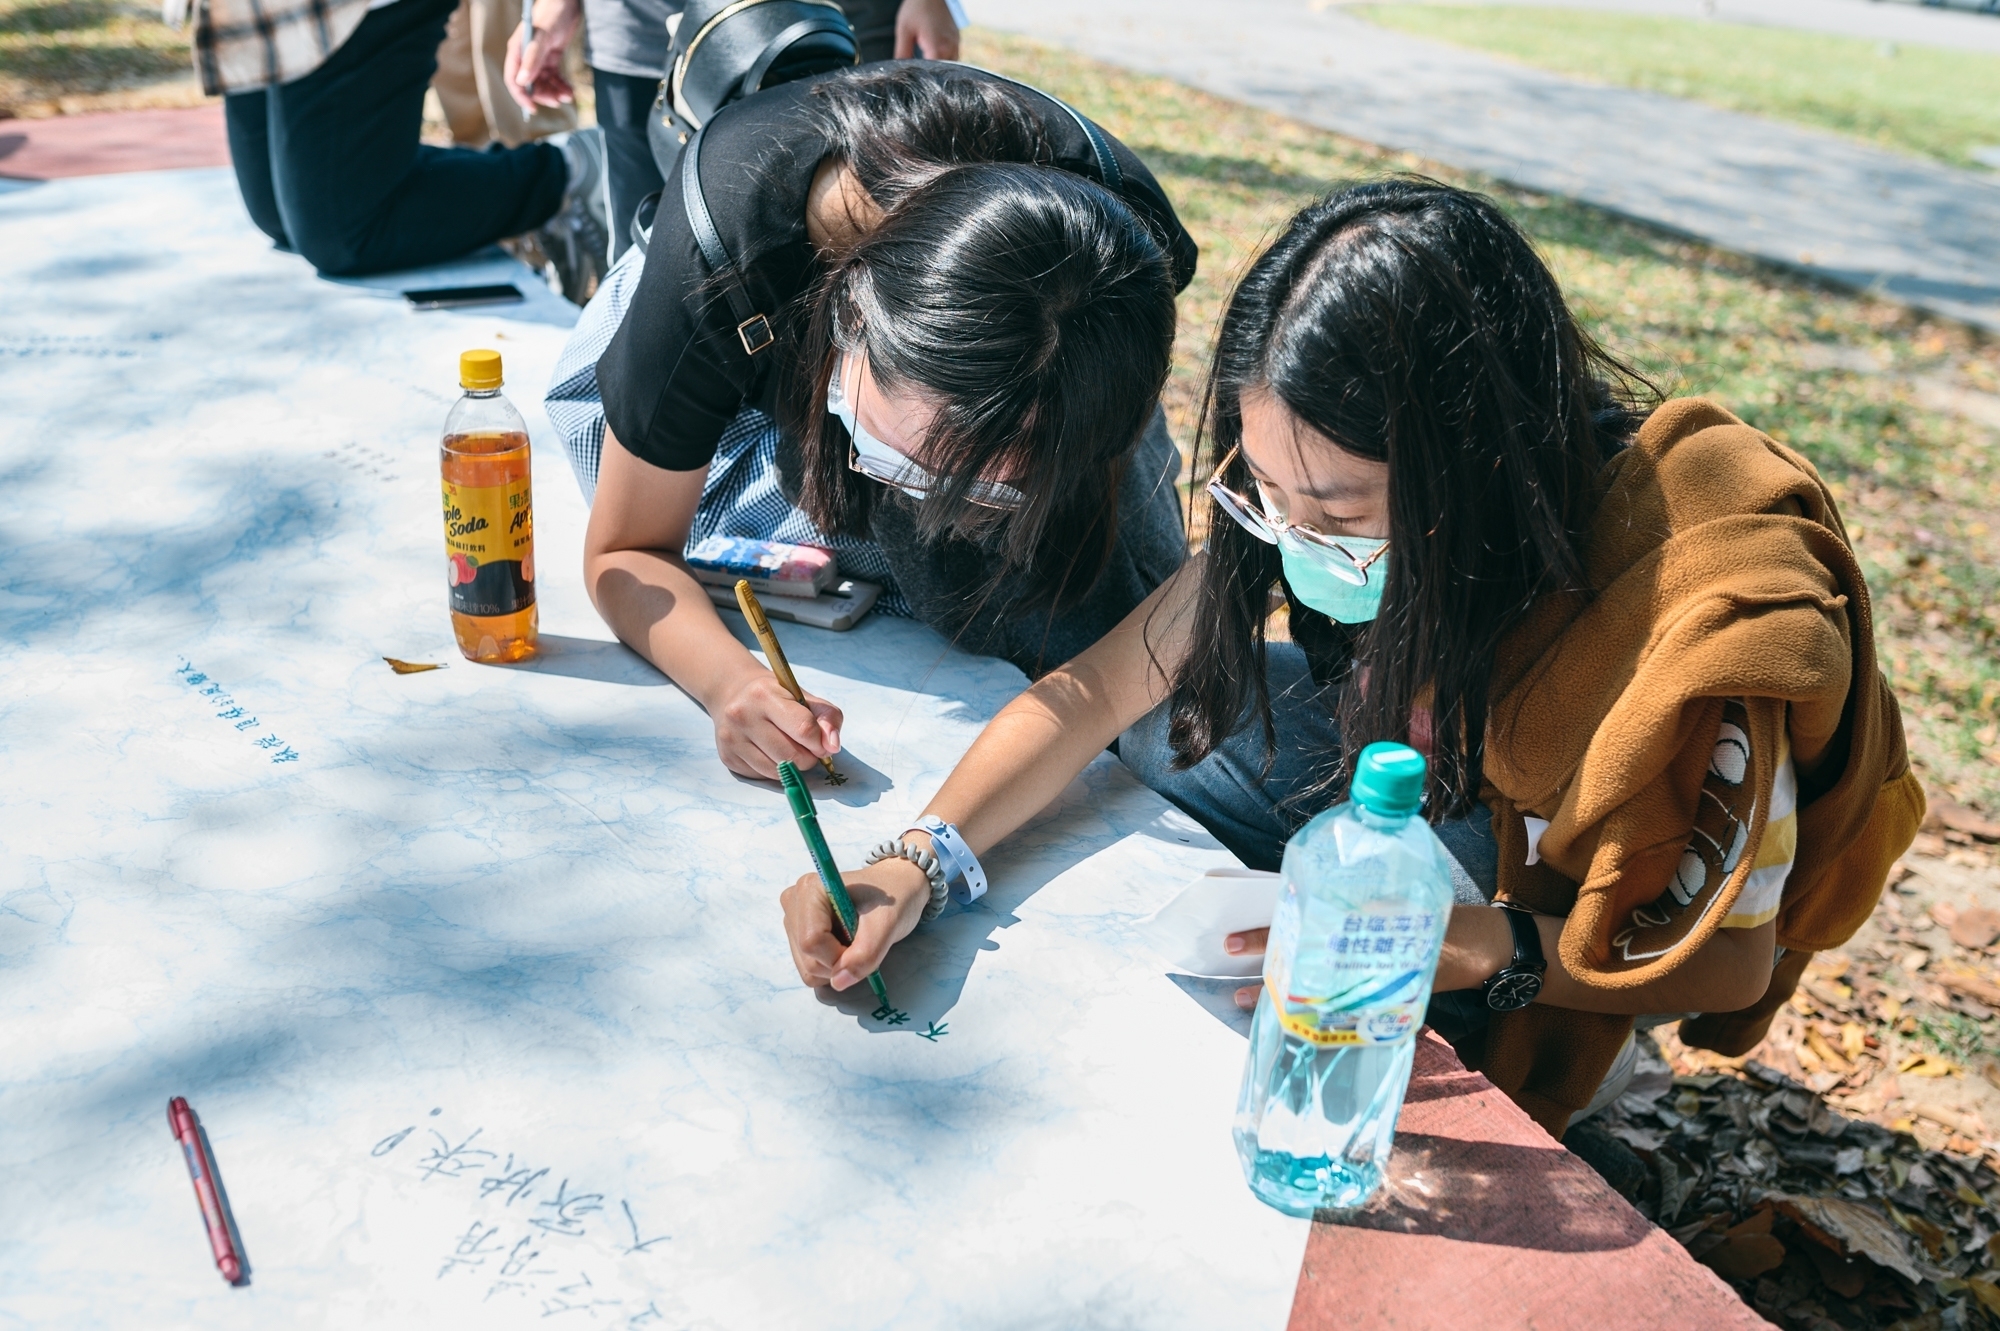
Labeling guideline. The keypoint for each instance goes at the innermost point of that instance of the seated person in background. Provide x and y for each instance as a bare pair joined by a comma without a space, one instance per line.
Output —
956,391
324,103
1636,649
628,58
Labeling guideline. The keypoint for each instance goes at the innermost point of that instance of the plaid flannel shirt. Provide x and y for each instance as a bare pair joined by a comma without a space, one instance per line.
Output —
243,45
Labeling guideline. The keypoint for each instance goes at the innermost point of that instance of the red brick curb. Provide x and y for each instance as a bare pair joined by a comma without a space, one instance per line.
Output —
113,142
1490,1224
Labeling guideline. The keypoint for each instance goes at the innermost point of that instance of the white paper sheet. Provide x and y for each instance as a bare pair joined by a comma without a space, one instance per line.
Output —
481,992
1187,933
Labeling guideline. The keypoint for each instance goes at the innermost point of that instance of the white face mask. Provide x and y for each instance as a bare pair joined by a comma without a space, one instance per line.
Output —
879,462
873,458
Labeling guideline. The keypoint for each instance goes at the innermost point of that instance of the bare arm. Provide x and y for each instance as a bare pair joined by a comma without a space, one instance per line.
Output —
1017,766
645,591
1726,974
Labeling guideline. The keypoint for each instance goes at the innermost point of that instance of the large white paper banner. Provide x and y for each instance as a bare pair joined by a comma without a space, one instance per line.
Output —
476,977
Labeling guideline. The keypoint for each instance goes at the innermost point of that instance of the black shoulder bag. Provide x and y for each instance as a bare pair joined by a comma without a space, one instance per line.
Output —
753,327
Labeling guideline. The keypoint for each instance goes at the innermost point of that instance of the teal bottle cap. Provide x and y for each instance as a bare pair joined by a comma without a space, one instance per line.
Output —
1389,780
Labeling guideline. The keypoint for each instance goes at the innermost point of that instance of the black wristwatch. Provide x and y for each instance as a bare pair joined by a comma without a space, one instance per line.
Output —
1515,985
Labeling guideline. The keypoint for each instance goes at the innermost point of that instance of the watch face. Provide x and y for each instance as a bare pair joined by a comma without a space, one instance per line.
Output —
1512,990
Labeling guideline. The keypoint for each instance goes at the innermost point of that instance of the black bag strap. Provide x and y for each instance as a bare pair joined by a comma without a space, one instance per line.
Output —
1108,172
642,220
753,80
753,329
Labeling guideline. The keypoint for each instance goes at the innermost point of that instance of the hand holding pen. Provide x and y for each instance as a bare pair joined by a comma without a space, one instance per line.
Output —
840,926
781,669
532,70
846,918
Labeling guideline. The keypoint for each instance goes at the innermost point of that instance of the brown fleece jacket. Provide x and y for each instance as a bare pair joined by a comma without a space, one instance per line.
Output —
1721,577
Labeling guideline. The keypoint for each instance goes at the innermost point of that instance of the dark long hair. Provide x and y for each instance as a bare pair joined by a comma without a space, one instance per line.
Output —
1409,323
1033,306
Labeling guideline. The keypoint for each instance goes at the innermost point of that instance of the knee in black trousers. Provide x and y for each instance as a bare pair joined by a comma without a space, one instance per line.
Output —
330,164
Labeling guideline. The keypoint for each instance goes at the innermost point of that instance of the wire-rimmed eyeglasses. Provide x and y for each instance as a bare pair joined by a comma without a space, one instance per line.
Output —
1263,520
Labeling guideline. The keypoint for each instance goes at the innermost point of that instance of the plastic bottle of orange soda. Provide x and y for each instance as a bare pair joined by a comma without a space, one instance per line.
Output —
489,517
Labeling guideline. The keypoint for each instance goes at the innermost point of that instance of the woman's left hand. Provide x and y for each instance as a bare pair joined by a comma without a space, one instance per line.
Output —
1477,943
1248,943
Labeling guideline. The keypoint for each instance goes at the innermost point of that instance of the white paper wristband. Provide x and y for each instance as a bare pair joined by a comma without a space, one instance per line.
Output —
961,866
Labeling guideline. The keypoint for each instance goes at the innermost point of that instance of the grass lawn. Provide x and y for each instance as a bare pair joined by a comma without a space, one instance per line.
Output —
73,55
1918,99
1852,382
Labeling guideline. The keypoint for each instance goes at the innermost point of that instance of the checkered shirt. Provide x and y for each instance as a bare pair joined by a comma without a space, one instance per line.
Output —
243,45
740,497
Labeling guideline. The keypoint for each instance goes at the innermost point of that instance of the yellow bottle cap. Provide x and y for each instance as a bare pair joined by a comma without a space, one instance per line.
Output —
479,369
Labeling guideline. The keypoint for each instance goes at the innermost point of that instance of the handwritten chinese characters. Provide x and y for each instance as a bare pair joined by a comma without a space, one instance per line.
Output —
228,709
368,461
535,1235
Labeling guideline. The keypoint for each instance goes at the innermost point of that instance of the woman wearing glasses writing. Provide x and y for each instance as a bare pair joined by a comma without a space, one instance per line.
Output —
1635,646
963,299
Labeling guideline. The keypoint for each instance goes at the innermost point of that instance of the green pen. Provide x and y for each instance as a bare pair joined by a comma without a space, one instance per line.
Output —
829,876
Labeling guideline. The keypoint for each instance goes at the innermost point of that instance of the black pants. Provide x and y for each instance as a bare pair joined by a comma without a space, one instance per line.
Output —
625,100
330,165
623,103
874,27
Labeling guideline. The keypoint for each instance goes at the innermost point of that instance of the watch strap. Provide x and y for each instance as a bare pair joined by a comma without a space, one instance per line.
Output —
1519,982
1527,938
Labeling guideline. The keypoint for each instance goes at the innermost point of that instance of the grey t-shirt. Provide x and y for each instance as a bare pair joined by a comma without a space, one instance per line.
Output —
630,36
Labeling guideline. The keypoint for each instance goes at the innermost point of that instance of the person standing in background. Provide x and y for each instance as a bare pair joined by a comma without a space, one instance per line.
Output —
471,81
628,58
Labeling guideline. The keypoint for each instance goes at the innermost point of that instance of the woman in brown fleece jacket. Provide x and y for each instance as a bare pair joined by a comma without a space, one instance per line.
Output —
1636,647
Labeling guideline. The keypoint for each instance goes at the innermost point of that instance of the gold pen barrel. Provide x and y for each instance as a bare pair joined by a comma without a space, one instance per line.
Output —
760,624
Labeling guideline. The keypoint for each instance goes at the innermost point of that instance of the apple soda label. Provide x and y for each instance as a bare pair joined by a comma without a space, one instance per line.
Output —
489,538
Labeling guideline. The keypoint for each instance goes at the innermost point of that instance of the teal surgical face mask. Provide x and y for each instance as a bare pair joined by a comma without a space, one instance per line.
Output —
1334,594
1339,576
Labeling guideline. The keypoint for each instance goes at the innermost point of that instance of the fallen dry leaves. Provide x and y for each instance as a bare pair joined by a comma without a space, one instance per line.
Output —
1809,1174
1819,1219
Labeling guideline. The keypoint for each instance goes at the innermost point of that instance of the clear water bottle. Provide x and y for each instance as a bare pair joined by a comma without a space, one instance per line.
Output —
1353,949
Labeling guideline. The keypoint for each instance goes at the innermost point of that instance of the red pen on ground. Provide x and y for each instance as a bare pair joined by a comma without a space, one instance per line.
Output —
201,1168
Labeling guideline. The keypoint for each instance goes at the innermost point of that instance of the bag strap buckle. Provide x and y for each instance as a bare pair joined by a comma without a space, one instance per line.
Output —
753,330
755,334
